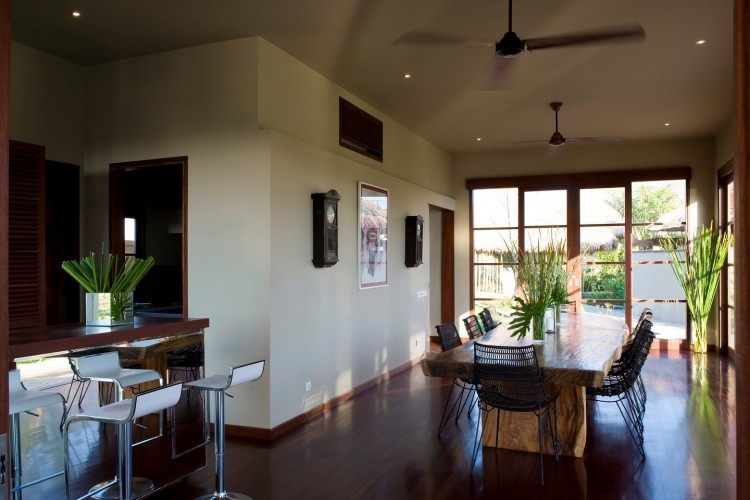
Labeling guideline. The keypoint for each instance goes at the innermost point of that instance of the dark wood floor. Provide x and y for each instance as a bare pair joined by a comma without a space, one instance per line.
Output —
383,445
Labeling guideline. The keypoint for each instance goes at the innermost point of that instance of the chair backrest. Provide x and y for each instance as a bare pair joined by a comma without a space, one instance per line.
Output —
448,336
645,314
508,377
245,373
488,323
472,326
635,358
91,366
155,400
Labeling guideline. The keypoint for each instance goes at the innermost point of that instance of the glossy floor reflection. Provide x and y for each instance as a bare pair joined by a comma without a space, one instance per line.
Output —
383,445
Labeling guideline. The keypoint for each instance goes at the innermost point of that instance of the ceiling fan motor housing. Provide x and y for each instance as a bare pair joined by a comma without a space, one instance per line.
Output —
557,139
509,45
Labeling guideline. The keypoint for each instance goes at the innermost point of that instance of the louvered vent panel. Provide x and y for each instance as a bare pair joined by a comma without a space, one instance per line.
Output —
26,282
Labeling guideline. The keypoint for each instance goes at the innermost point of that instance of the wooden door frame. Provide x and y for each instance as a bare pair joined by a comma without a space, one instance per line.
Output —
116,214
4,154
447,268
742,237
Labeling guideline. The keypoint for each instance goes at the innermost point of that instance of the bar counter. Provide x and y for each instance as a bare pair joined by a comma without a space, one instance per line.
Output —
39,341
146,343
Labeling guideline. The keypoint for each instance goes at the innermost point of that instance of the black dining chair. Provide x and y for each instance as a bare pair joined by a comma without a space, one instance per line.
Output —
509,378
621,385
471,323
449,339
488,322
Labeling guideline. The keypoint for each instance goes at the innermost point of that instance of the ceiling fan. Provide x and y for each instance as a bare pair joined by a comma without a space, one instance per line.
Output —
511,45
557,139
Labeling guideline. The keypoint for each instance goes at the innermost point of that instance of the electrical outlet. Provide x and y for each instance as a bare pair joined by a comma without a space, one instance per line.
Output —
419,342
308,386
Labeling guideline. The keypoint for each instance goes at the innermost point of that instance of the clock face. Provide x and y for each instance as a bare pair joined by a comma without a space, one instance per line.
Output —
331,214
419,230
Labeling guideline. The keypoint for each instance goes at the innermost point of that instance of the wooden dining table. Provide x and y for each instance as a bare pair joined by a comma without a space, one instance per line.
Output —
577,356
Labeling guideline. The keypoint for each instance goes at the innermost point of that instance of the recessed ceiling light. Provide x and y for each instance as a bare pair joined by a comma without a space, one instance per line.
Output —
407,75
76,13
479,139
700,42
667,124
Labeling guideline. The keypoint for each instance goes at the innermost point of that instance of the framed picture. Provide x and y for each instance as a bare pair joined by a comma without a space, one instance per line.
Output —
373,236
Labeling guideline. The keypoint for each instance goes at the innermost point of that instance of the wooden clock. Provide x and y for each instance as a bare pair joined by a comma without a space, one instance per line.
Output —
325,228
413,238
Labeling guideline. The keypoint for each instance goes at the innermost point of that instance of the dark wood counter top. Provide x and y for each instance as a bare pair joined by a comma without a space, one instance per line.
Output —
38,341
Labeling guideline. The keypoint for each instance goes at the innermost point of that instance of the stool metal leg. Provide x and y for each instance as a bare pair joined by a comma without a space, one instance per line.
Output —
220,492
125,485
15,446
16,476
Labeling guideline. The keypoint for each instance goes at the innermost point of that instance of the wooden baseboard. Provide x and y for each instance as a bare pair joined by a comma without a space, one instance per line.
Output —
300,420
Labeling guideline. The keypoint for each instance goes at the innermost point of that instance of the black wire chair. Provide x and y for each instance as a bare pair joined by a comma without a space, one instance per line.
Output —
488,322
509,379
621,384
185,364
450,339
471,324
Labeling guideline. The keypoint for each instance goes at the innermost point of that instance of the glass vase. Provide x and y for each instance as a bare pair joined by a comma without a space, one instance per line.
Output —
537,327
109,309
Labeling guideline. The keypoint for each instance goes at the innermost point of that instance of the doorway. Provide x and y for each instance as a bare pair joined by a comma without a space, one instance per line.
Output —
148,217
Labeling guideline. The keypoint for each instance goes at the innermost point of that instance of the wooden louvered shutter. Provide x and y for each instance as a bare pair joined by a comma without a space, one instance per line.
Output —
26,279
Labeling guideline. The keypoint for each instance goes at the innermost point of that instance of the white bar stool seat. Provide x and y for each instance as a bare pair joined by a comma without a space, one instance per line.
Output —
22,400
218,384
106,367
122,413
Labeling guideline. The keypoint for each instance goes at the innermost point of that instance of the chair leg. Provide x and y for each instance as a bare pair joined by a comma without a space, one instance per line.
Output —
445,417
477,440
541,446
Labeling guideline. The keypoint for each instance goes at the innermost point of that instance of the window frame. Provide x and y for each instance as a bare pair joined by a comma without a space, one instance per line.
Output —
573,183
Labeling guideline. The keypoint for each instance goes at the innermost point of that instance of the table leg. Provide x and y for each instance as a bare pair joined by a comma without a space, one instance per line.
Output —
518,431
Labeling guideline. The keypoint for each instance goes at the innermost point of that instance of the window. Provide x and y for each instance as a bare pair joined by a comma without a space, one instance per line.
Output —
612,224
726,288
130,238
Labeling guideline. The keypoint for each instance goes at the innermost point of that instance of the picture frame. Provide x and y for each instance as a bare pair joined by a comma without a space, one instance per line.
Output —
373,235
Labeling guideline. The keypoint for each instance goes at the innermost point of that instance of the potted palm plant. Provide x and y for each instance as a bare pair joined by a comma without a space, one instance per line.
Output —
697,269
109,286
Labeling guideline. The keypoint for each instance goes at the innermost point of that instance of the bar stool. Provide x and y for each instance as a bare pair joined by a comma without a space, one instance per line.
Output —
22,400
219,384
106,367
122,413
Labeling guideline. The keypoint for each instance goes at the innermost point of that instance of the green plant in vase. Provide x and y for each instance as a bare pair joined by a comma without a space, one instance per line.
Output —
698,274
109,286
536,276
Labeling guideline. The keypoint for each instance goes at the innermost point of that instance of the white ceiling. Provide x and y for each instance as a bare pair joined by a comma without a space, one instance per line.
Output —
629,90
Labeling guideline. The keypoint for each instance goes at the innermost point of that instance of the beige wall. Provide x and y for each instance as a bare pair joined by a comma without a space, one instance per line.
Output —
699,154
46,93
725,145
299,102
324,329
260,131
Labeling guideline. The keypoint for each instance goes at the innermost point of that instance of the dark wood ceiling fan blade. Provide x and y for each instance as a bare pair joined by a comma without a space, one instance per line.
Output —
611,138
627,33
498,75
419,37
511,144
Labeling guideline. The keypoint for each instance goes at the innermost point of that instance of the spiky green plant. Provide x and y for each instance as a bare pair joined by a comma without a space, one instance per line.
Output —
102,274
538,275
698,274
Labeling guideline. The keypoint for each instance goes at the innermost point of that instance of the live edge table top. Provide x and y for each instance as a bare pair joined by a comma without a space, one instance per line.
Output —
579,354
